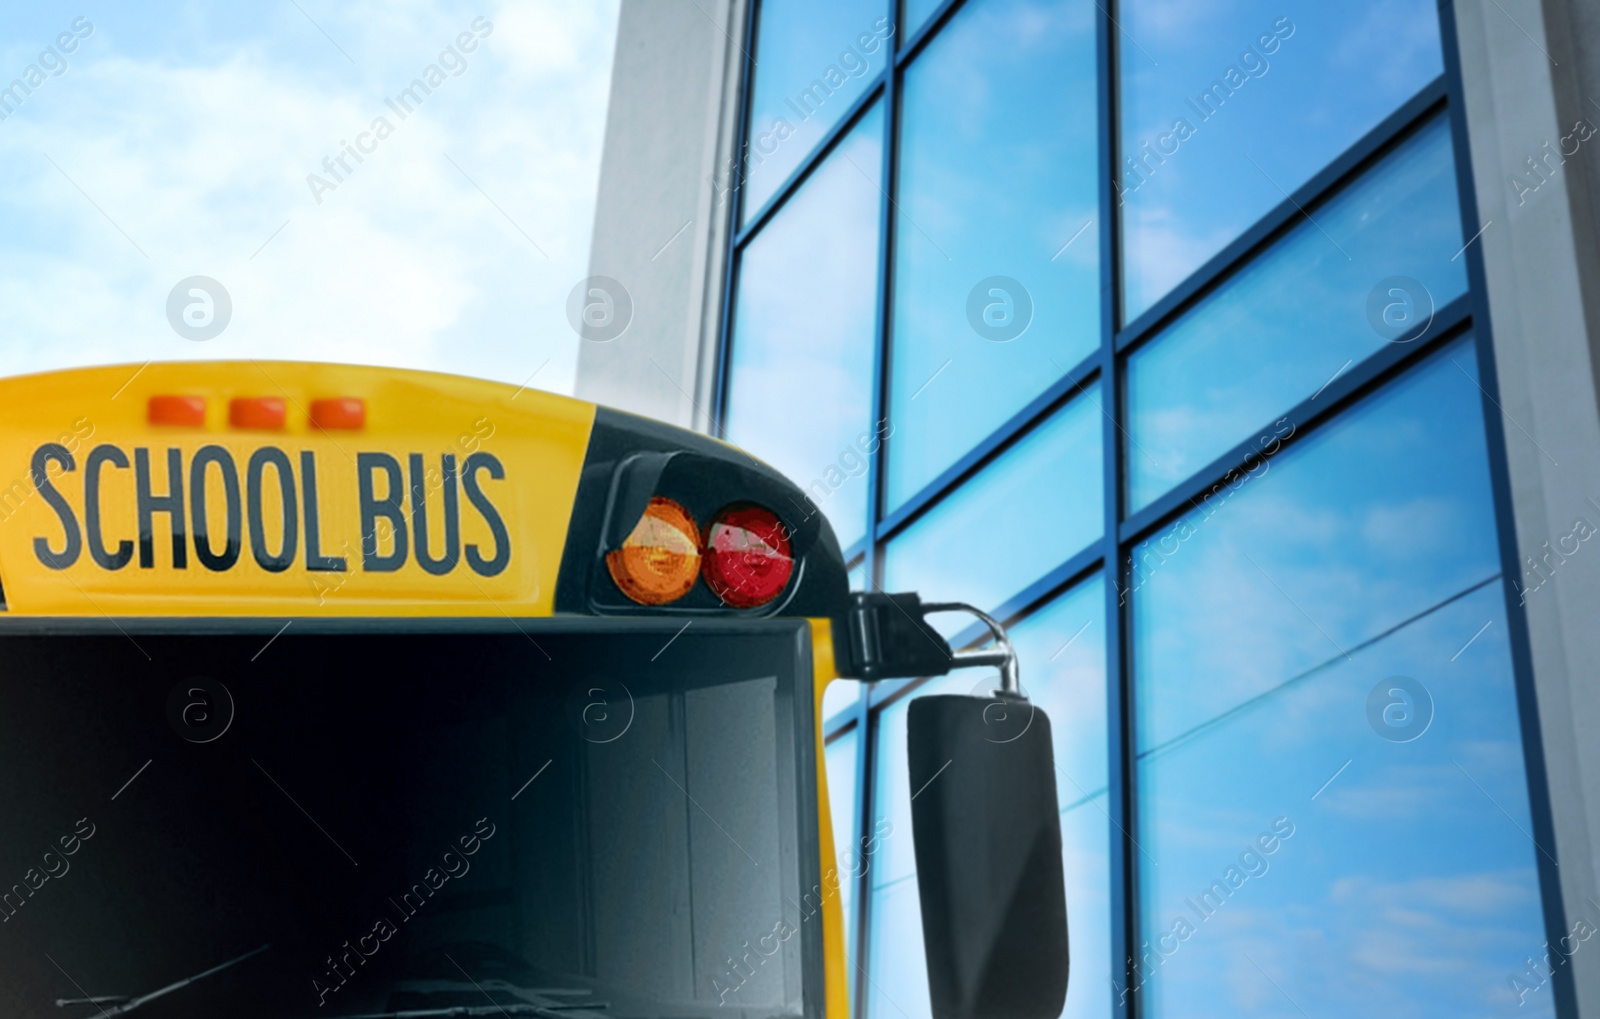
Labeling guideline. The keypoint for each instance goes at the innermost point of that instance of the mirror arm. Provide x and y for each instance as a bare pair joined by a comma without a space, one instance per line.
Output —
1002,655
887,636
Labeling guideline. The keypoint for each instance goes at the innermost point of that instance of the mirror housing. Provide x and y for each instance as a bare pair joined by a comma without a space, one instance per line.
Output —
986,826
887,636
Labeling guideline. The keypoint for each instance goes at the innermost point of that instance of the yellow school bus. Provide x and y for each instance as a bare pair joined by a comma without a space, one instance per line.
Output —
335,690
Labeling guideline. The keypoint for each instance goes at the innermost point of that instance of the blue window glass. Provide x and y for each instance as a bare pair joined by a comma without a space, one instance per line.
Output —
895,860
996,263
858,576
840,757
1029,511
914,13
840,696
1062,652
898,967
814,58
1333,807
895,960
1300,314
804,323
1230,105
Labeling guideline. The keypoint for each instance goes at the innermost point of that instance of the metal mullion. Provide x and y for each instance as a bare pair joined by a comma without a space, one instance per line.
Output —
816,157
1119,688
859,920
730,268
1332,179
898,57
1070,386
1306,416
1031,599
895,692
838,724
889,167
930,28
867,758
1540,808
885,692
1057,581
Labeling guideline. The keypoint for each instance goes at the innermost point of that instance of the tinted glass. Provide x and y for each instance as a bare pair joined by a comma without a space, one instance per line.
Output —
1377,259
813,59
407,821
839,698
1027,512
1377,517
1333,801
915,12
996,249
1230,105
800,371
1062,653
891,796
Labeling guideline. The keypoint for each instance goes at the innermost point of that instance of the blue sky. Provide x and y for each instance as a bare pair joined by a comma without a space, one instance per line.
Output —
178,141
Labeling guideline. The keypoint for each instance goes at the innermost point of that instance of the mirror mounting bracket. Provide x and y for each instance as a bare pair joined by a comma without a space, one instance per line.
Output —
887,636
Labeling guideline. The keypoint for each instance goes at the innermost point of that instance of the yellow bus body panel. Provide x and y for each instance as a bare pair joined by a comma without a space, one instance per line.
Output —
835,975
540,439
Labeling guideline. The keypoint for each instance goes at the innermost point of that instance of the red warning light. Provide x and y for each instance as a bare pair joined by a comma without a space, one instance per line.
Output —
748,560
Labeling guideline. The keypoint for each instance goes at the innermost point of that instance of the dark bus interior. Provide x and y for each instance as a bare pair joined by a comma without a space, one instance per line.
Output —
568,818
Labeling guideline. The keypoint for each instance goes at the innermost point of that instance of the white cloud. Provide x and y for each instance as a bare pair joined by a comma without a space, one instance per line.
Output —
200,160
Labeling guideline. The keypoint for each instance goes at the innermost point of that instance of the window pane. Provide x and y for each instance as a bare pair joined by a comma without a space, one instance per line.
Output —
1333,805
1026,513
1063,662
895,860
800,389
1277,332
1228,105
841,764
916,12
858,576
1062,651
996,255
1378,516
898,967
813,59
841,695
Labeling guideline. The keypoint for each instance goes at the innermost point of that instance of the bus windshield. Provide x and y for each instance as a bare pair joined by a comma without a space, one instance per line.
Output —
576,818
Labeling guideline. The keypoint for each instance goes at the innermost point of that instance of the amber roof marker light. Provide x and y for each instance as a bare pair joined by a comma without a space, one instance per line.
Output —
257,413
660,560
348,413
183,411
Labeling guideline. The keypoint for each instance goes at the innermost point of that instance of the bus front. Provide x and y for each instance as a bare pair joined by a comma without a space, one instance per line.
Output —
338,691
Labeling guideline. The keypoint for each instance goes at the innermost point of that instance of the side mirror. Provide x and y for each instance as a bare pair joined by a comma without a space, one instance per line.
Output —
987,833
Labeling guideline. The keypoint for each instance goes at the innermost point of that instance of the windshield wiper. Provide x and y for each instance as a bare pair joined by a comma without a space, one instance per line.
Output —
126,1004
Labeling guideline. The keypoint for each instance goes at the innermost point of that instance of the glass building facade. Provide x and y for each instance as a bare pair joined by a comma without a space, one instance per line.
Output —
1152,329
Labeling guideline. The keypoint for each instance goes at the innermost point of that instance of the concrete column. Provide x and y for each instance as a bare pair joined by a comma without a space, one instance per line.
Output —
1529,68
661,215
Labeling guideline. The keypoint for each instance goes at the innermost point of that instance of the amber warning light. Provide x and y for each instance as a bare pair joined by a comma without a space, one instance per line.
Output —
659,561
